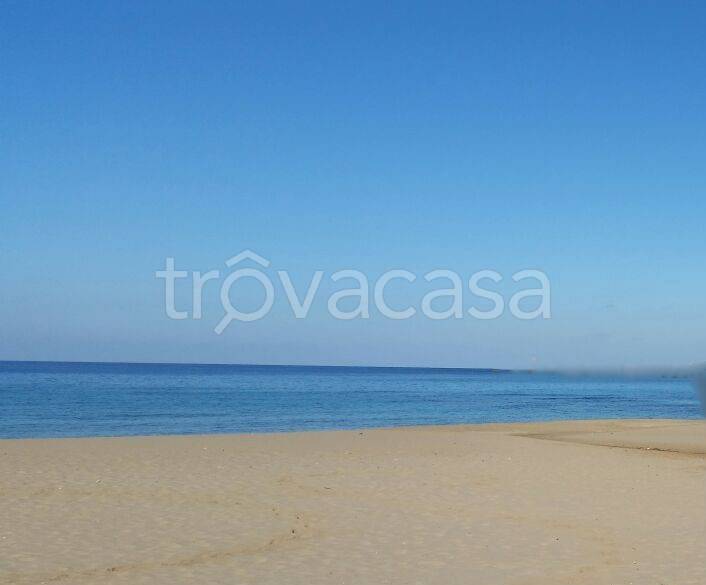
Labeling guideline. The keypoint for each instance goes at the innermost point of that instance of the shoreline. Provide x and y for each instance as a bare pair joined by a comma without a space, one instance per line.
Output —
595,425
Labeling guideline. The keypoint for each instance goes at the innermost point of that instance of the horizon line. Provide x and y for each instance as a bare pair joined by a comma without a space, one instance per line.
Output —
625,370
259,365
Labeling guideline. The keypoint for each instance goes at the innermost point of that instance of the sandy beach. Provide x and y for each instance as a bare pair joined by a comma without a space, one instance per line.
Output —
585,502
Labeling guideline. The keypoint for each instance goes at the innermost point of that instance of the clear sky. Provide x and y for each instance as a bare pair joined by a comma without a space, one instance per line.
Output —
566,136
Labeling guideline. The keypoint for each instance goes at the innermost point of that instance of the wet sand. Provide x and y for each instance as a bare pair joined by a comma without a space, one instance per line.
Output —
579,502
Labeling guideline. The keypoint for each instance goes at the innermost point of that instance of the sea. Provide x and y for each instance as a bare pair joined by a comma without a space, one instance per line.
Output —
61,399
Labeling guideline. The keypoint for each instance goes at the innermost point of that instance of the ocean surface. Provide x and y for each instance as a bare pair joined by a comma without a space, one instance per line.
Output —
48,399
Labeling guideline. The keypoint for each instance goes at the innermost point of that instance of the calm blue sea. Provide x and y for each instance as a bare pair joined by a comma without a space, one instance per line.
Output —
40,399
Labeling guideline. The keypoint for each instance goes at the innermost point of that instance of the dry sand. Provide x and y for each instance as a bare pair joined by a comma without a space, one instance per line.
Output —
558,503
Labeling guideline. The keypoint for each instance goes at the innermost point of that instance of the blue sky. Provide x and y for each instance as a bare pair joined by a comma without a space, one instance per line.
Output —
568,137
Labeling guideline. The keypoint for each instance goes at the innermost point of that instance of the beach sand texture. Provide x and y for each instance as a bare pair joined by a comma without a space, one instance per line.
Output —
583,502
